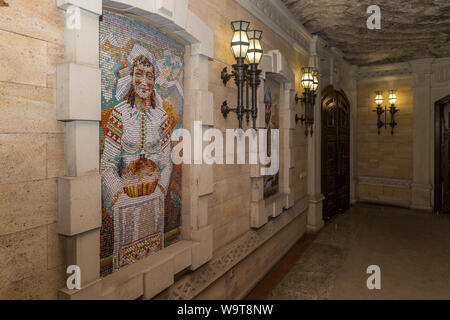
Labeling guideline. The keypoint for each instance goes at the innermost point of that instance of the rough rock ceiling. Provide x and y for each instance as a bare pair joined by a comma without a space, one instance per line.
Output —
410,29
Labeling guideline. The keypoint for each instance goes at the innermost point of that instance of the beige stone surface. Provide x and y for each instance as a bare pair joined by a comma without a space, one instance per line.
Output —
37,19
22,255
82,251
203,252
23,157
27,109
82,44
78,92
55,155
27,205
82,148
93,6
157,279
128,282
385,155
55,247
239,280
229,205
42,285
79,204
385,194
23,59
55,56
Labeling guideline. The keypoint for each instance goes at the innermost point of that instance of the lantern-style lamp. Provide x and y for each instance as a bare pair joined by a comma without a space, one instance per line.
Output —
393,97
308,78
244,44
255,52
310,83
254,56
240,43
379,98
393,109
315,82
379,110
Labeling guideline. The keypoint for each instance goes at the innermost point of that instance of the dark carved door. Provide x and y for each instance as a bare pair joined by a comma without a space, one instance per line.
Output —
445,157
442,156
335,152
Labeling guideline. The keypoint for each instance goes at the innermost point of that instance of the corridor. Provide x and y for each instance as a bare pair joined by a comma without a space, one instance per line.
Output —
411,248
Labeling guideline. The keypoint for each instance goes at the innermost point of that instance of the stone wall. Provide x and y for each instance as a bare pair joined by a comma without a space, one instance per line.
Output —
31,150
229,206
32,157
385,162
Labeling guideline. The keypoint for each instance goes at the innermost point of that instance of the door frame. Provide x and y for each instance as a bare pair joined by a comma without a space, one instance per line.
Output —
330,90
437,153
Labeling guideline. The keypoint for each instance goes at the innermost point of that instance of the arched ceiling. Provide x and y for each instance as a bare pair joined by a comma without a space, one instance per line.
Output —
411,29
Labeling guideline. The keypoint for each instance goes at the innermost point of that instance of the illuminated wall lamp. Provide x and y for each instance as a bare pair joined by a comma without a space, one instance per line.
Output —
245,44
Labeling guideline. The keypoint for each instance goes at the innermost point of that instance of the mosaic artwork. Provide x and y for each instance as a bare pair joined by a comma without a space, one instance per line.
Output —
272,119
142,104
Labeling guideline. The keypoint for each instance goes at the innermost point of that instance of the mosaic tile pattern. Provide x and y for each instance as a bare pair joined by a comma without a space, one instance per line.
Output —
142,104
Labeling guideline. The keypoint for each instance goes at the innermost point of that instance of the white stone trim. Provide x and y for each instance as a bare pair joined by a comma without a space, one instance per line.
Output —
80,222
261,209
93,6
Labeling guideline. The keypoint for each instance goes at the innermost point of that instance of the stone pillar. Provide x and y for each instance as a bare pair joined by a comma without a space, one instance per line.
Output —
78,105
353,91
315,213
198,108
421,198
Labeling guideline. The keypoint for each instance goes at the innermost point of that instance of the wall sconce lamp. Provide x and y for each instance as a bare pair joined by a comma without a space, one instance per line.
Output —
310,84
245,44
393,109
379,110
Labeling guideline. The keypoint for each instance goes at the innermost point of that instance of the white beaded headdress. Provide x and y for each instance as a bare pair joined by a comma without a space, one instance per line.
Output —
124,81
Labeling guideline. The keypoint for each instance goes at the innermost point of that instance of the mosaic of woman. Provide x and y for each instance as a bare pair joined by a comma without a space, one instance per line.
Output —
136,166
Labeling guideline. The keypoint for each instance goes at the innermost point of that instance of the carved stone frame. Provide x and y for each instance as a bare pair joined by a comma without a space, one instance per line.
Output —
261,209
79,192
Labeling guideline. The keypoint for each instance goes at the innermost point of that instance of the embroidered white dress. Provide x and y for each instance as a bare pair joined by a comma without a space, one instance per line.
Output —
132,134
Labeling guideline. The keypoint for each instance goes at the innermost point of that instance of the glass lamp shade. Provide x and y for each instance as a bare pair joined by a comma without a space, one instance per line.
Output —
255,51
379,98
240,43
393,97
308,78
315,82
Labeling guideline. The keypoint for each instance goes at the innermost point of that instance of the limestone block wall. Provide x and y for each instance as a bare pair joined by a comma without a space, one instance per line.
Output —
32,157
242,255
385,162
31,150
229,206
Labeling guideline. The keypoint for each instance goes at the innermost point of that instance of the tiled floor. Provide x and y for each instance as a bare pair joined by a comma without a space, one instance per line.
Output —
411,248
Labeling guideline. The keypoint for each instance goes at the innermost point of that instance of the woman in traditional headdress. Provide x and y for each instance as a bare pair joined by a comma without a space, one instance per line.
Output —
136,163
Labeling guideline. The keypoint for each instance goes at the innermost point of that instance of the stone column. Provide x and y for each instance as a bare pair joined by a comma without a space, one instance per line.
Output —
353,90
421,198
315,221
78,105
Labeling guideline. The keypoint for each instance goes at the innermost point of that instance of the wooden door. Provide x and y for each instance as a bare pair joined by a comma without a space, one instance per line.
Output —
442,155
335,152
445,159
